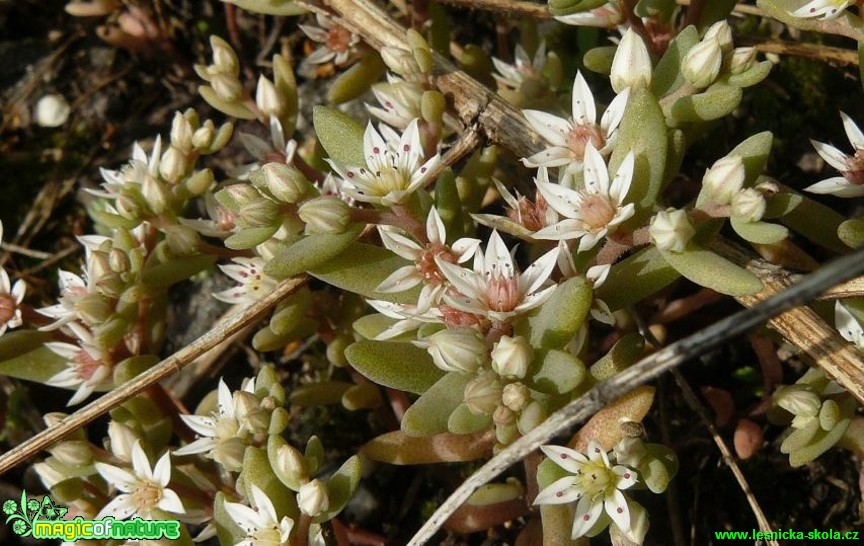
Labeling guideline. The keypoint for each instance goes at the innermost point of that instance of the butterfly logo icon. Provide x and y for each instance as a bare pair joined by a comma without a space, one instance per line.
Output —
51,511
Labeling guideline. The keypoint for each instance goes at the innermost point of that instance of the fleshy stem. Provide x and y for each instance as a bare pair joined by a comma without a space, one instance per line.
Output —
398,216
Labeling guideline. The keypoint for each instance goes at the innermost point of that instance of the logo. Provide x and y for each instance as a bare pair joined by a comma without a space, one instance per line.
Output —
44,520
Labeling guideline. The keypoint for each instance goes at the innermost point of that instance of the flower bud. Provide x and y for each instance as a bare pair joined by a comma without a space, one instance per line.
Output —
829,415
49,475
227,88
461,350
182,240
291,463
54,418
286,184
74,453
121,438
325,215
724,179
749,205
268,99
154,194
701,65
200,182
722,32
400,61
262,212
743,59
202,138
630,451
312,498
181,132
503,416
224,58
172,166
532,416
236,196
118,260
483,394
229,453
631,66
516,396
511,356
798,400
671,230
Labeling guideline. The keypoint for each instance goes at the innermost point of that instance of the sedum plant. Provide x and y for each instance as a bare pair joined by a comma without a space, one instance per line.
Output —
462,289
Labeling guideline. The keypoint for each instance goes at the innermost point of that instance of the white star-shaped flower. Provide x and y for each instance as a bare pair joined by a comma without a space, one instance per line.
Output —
262,525
594,210
569,138
851,184
136,172
608,15
512,76
494,288
144,489
399,100
88,366
254,283
393,171
524,217
337,43
425,269
11,297
594,482
221,426
822,9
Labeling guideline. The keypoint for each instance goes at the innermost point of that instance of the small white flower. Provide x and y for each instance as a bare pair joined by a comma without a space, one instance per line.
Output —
221,426
409,316
312,498
425,269
11,297
88,366
278,150
460,350
254,283
724,179
337,43
608,15
701,65
262,525
524,217
494,288
822,9
569,138
848,326
851,184
136,172
399,100
595,483
393,171
144,489
512,76
593,210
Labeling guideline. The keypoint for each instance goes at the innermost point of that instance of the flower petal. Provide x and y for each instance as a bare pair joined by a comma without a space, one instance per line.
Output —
561,491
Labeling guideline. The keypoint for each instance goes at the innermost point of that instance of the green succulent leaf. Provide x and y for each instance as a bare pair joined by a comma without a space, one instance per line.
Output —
851,232
643,132
715,11
817,222
464,421
430,414
635,278
357,80
308,253
319,394
178,269
558,320
658,467
269,7
397,365
599,59
761,233
566,7
557,372
248,238
38,365
257,471
621,356
716,102
18,342
667,76
226,528
233,109
754,152
399,448
781,204
707,269
360,268
340,135
341,487
752,76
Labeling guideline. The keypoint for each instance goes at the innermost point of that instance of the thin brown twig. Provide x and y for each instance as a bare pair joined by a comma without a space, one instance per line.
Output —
511,8
160,371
